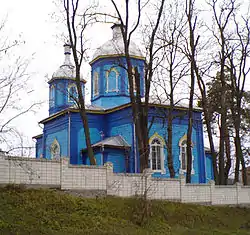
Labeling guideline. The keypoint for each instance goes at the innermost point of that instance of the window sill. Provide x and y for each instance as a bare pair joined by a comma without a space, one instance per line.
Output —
185,171
159,171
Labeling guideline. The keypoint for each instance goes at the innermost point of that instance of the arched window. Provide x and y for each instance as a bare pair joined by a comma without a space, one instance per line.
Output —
112,80
183,155
55,150
96,83
156,153
52,96
72,92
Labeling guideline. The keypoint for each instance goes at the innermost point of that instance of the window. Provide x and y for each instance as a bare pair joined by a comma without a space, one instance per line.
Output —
55,150
156,153
52,96
112,80
183,155
96,84
72,92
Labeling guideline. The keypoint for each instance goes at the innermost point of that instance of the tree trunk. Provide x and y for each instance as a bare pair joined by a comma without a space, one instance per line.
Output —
228,156
170,142
191,94
84,118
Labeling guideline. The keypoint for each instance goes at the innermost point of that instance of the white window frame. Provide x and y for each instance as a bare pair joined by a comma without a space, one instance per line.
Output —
182,171
162,157
70,99
52,98
116,80
95,83
53,153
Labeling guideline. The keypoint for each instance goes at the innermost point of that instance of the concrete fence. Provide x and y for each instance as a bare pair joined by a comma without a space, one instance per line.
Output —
61,174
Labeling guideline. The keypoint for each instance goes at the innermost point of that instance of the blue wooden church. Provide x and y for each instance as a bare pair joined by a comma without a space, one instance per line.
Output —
110,119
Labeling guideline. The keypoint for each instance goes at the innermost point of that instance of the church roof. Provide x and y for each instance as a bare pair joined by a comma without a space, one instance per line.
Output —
111,142
118,141
115,46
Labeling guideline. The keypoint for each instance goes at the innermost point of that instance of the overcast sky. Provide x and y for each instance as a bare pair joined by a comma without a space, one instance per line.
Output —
31,21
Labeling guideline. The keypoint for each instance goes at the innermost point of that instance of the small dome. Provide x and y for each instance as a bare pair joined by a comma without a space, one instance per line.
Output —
115,46
67,69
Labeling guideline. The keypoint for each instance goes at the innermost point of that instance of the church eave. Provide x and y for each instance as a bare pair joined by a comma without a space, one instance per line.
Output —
116,55
37,136
66,78
74,110
107,146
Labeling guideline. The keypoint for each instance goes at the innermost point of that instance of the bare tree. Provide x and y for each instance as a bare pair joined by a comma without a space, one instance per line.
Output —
140,108
239,70
13,84
172,69
193,42
77,22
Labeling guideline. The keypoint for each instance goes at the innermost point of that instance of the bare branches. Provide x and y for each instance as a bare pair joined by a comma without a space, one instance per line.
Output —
76,27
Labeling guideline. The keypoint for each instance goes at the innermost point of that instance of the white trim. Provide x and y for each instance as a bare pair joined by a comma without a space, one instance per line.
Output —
116,80
53,153
162,157
95,77
182,171
52,99
69,94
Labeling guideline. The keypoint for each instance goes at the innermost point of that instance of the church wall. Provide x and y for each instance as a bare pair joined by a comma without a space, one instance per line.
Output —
120,123
39,147
209,167
56,129
97,126
180,126
117,158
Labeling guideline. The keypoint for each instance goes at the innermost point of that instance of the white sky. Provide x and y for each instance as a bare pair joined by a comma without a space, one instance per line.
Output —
32,20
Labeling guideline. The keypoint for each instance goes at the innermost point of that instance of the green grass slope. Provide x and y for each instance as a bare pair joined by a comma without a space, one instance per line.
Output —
52,212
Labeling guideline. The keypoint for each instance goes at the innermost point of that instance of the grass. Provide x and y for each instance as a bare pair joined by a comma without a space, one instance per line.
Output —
50,212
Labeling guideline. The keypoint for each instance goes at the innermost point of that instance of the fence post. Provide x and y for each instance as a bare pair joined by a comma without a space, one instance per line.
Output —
109,174
238,188
212,189
64,164
182,185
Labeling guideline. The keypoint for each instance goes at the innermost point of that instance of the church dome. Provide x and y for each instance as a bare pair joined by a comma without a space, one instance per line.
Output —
67,69
115,46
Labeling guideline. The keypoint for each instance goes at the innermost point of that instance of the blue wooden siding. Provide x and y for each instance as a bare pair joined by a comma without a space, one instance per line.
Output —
209,168
109,97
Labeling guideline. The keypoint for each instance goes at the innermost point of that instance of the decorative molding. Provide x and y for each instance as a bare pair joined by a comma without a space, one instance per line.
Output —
71,85
157,136
55,149
162,141
182,171
95,83
116,78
